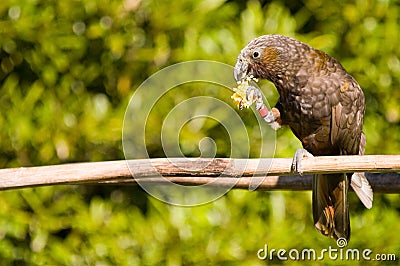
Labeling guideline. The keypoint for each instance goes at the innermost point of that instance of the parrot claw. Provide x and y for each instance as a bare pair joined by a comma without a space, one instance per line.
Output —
273,118
270,118
253,94
296,163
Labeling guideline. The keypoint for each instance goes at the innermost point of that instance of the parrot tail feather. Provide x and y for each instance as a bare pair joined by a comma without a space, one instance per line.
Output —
330,205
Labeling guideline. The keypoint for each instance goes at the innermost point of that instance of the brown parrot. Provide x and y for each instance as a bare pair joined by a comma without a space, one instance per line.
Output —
324,107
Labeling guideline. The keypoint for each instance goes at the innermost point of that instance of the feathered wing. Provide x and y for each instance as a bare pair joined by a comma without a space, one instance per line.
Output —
330,204
346,132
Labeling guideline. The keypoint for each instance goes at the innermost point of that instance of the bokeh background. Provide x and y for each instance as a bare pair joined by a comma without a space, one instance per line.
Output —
67,72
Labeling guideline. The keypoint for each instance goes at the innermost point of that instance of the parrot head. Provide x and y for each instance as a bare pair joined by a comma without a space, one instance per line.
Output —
267,57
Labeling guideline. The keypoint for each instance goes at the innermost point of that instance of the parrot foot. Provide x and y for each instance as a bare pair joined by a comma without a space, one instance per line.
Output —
296,163
253,94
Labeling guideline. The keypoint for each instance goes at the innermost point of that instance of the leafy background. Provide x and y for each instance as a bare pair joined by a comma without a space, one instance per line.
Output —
67,72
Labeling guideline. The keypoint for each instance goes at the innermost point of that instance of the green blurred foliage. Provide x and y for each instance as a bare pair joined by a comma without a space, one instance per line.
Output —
67,71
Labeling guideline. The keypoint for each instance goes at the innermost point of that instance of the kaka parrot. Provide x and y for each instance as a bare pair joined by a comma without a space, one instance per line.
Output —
324,107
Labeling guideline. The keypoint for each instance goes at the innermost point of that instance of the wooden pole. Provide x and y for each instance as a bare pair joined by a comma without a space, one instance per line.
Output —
271,174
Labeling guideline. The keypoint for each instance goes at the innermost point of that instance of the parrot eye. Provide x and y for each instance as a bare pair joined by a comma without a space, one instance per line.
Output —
256,54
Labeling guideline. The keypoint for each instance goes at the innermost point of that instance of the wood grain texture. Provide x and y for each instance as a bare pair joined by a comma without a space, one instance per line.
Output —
271,174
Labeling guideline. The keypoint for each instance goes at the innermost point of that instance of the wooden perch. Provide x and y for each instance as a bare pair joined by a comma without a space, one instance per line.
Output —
272,174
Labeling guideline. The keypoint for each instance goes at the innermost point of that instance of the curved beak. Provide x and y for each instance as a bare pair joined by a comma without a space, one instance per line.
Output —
241,68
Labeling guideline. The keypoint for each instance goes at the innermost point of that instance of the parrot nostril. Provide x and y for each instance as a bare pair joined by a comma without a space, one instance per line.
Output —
241,69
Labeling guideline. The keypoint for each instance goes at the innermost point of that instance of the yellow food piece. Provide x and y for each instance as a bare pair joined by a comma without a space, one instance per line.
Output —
240,93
